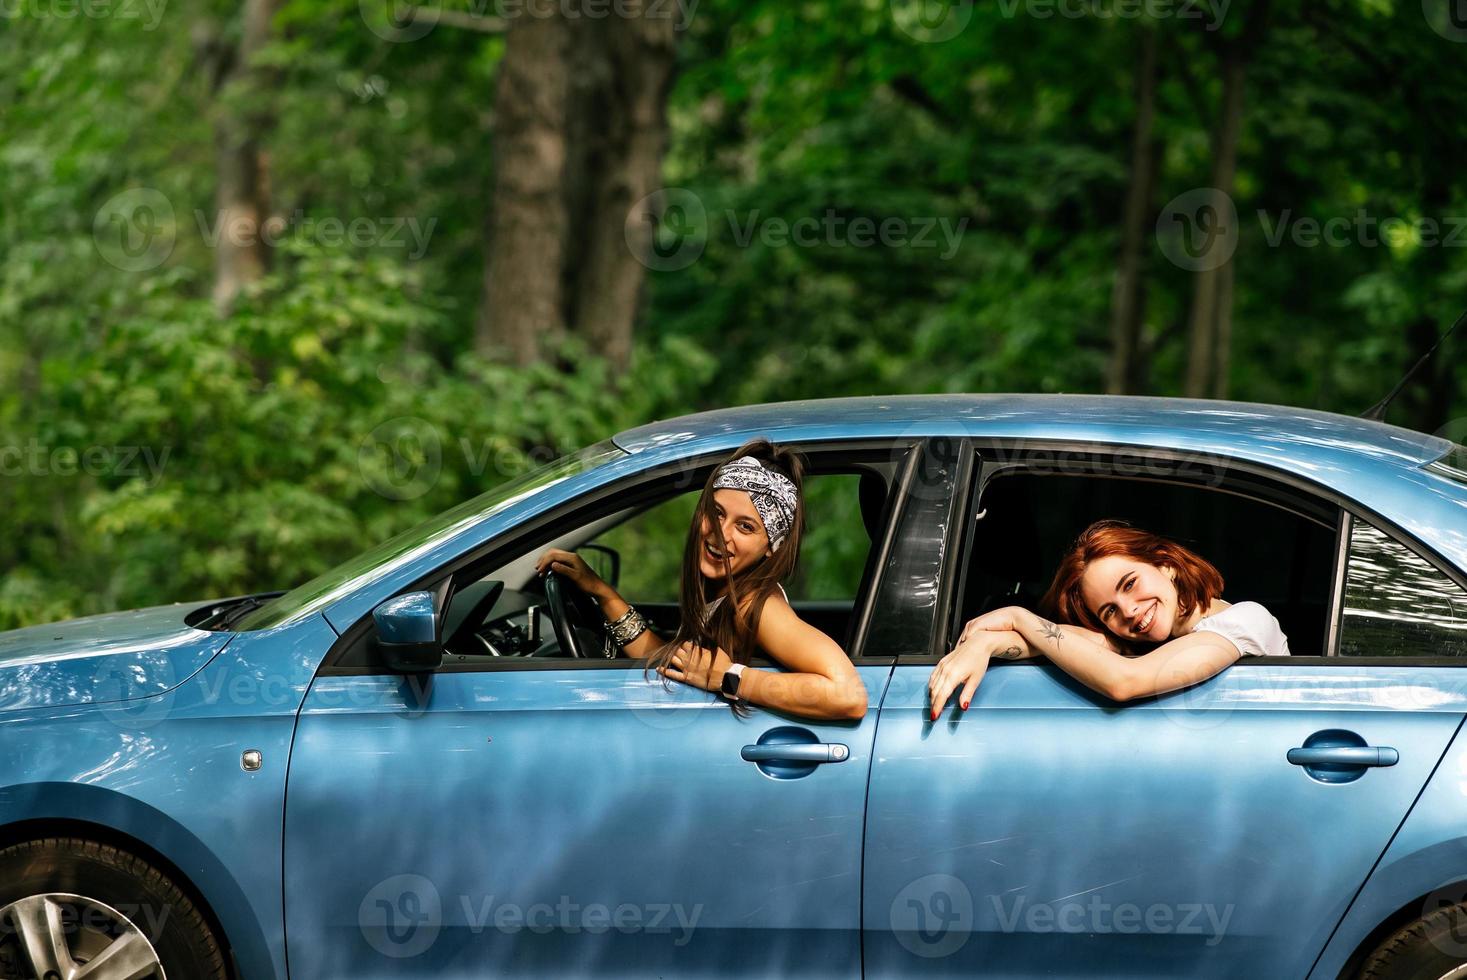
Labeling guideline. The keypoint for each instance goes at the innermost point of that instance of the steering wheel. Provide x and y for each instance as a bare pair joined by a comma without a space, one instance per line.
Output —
573,615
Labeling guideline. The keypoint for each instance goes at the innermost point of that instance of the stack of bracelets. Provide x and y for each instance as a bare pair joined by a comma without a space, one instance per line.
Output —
631,625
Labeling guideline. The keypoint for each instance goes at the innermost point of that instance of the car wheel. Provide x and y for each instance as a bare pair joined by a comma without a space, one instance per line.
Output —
1434,947
79,909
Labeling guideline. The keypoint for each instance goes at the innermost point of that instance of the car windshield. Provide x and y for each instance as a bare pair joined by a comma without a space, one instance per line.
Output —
352,573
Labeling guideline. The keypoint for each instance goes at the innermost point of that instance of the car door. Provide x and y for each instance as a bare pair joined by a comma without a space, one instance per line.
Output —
555,818
1212,832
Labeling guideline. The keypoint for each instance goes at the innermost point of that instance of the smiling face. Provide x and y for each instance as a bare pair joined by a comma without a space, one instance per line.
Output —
1135,600
744,539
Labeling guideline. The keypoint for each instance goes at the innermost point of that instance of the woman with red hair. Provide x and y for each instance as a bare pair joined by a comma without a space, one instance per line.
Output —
1141,615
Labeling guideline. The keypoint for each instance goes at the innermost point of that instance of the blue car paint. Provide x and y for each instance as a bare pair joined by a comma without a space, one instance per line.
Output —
1427,858
492,811
160,761
111,657
1057,821
166,771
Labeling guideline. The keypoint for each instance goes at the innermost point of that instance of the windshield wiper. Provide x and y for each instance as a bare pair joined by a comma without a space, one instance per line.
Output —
235,613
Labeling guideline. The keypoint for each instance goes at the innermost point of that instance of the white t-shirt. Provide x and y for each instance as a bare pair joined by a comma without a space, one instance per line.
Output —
1251,628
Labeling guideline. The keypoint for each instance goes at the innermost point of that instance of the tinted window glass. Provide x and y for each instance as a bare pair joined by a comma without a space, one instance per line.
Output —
1397,604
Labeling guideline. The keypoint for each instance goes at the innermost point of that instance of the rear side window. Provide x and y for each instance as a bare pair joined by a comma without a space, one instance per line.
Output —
1396,603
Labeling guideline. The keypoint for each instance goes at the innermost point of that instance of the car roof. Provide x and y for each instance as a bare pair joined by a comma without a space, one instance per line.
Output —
1382,468
1135,420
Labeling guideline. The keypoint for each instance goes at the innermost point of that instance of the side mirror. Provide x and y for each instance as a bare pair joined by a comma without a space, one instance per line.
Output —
612,558
408,632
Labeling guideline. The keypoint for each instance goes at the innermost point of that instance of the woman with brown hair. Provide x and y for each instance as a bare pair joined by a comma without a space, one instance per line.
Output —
744,540
1142,615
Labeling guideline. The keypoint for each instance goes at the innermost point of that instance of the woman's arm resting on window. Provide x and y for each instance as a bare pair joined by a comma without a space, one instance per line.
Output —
1172,666
965,666
819,679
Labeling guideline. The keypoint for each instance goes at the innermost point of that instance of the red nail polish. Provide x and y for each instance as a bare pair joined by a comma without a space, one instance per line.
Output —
965,706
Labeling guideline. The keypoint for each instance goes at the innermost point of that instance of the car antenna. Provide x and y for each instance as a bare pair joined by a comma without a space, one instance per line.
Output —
1378,410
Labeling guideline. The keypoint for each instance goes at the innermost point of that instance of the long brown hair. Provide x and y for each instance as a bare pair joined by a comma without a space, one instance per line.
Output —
1198,581
734,623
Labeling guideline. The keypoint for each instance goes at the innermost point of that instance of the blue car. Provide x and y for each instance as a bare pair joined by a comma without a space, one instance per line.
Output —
422,764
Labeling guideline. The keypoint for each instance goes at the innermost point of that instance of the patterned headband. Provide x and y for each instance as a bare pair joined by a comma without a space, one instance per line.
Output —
773,494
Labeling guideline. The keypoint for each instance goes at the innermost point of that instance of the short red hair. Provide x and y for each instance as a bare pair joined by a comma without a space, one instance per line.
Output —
1198,581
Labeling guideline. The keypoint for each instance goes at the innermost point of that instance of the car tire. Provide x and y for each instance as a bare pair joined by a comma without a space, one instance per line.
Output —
100,898
1433,947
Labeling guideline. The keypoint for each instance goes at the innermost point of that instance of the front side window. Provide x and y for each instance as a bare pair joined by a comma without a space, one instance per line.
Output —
502,613
1396,603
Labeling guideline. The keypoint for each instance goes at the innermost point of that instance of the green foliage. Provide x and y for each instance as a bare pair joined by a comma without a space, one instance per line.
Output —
152,451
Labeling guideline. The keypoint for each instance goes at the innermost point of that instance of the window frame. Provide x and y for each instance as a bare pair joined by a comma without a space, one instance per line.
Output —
650,485
1305,498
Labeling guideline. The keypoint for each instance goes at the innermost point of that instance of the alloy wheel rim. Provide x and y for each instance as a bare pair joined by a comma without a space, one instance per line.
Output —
71,937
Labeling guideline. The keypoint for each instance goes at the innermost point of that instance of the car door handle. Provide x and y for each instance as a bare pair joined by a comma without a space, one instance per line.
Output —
796,752
1345,755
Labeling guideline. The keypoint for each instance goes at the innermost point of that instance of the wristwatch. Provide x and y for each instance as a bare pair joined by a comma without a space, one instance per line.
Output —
731,682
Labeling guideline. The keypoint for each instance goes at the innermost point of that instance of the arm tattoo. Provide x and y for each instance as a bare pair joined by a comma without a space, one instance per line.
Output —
1050,631
1012,653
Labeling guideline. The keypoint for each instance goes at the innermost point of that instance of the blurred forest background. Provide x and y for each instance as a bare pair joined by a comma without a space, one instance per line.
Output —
282,277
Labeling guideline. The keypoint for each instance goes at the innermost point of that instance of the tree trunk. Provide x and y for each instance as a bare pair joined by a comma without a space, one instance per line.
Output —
1223,354
1207,297
625,135
1128,301
579,136
524,299
242,194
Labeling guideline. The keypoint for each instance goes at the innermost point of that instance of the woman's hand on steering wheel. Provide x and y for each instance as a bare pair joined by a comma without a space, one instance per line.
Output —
575,570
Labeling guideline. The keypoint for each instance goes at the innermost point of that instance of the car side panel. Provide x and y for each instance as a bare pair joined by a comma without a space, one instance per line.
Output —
166,771
566,822
1428,857
1047,825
